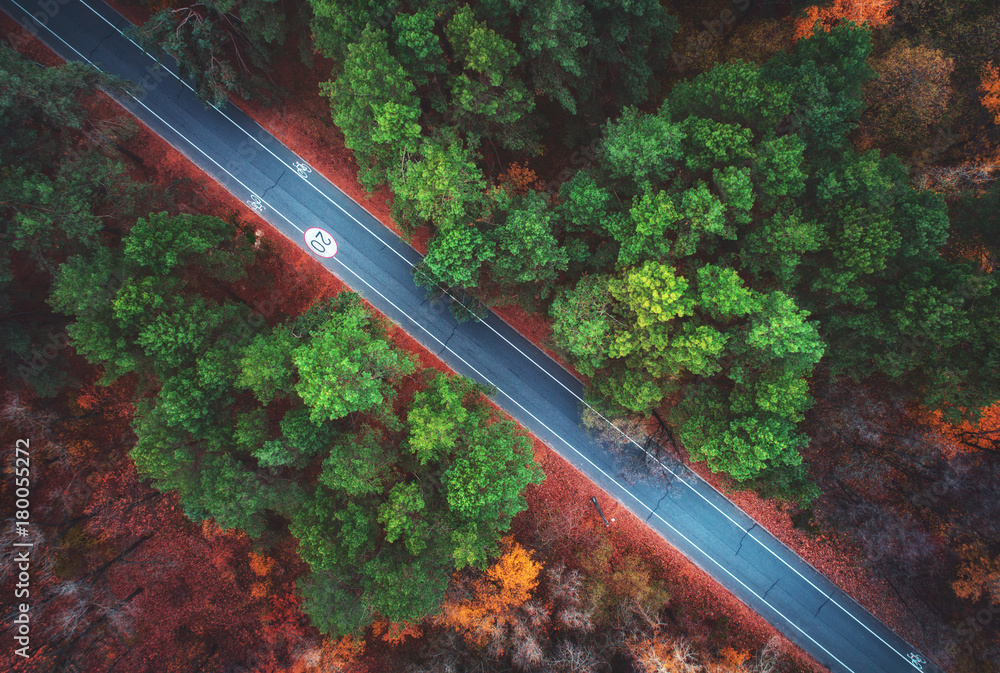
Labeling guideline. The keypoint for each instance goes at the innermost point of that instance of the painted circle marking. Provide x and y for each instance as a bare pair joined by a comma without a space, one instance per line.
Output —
320,242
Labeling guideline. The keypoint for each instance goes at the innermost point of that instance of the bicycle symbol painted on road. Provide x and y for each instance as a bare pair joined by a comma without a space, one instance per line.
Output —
303,169
255,203
916,660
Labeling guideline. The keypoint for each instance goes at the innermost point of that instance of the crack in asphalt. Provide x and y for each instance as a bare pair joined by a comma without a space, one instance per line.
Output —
97,46
772,586
453,330
745,537
821,607
264,194
653,511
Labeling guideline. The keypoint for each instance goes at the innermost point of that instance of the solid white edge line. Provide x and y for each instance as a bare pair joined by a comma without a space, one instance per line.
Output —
523,354
163,121
596,467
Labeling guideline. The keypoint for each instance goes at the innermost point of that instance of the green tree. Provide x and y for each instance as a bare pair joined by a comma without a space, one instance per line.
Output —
266,367
359,464
555,37
583,323
62,186
222,45
823,79
641,147
776,248
443,186
418,46
727,221
344,368
303,429
654,293
527,252
740,93
454,259
442,504
631,47
131,308
487,98
373,101
336,24
436,418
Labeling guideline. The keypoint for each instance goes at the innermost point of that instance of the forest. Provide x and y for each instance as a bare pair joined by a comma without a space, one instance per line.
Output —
765,228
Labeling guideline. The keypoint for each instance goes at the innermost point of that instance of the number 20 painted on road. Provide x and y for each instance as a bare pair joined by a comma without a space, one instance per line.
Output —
321,242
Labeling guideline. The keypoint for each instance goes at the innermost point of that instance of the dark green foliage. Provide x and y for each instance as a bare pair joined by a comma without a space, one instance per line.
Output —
423,92
375,106
975,226
527,252
221,45
338,23
304,428
61,186
439,503
746,227
135,307
566,51
822,80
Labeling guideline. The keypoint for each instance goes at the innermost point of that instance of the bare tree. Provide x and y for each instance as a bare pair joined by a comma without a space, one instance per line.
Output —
23,416
527,653
768,659
571,657
674,656
564,589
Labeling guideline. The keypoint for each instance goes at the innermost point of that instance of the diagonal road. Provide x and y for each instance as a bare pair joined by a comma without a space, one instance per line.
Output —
687,512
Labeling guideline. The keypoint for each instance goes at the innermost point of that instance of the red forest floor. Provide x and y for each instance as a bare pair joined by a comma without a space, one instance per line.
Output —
563,500
303,125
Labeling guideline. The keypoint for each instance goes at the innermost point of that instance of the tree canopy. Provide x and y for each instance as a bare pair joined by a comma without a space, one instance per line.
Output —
754,244
382,493
63,186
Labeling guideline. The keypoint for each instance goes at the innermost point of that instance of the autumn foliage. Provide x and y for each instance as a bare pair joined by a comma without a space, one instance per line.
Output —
989,86
876,13
978,575
392,632
504,587
519,178
969,436
671,654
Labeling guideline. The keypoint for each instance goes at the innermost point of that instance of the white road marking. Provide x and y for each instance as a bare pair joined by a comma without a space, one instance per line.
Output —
301,167
255,200
256,204
321,241
297,168
596,467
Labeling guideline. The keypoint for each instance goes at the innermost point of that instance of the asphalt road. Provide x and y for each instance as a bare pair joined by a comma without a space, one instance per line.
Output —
715,534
